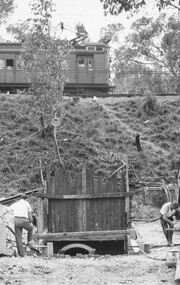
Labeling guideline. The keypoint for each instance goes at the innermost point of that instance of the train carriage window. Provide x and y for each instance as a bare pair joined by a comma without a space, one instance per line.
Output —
91,48
99,48
81,61
2,63
9,63
90,63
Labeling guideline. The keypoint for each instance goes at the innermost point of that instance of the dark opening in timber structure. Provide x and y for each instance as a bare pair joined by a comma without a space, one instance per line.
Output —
90,247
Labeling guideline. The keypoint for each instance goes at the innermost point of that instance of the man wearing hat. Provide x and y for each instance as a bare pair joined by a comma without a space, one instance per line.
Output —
22,220
167,218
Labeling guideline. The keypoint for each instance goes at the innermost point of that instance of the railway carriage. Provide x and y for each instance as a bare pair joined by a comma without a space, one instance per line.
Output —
88,68
11,76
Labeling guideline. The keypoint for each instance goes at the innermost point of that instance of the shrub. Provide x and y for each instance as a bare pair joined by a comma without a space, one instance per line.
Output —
22,119
11,114
18,133
150,105
33,142
178,111
165,145
2,98
33,129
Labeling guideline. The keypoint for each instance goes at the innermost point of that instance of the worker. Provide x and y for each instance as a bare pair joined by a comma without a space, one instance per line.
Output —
167,218
22,220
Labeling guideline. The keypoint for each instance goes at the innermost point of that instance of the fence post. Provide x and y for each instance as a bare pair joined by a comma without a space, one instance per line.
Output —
127,199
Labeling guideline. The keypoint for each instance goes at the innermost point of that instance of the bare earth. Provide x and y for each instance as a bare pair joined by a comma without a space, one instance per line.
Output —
110,270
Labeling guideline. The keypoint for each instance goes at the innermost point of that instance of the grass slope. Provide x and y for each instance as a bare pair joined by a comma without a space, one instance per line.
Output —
100,134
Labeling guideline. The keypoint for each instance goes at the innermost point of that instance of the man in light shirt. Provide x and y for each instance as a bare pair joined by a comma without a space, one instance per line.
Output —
167,213
22,220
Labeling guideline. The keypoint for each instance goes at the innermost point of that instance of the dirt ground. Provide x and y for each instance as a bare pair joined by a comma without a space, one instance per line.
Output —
110,270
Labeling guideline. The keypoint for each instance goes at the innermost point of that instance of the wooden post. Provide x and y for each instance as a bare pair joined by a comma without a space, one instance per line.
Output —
41,172
83,202
127,199
3,237
55,122
57,148
178,186
133,234
177,274
50,250
127,204
42,212
40,221
138,144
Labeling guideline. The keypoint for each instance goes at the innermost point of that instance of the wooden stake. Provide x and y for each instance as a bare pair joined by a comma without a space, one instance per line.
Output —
3,237
127,199
42,178
57,149
177,274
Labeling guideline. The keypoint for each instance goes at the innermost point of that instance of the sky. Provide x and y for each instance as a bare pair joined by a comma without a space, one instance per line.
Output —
90,13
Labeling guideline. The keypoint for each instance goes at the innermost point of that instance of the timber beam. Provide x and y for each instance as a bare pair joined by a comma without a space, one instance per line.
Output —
85,196
85,236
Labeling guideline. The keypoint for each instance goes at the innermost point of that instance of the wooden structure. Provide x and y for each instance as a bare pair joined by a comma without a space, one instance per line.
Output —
84,209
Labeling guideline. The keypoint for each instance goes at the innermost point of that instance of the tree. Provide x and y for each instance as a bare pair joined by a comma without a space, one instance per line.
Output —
81,35
44,59
110,33
115,7
20,31
157,43
6,8
80,29
136,78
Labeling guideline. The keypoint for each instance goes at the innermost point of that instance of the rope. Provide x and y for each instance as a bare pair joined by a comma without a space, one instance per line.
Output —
23,139
147,220
142,220
151,257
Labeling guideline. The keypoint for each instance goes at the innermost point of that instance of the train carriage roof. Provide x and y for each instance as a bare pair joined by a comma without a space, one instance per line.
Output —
96,44
6,47
95,47
10,47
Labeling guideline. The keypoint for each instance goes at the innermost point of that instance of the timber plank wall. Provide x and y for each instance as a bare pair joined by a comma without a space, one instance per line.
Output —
85,203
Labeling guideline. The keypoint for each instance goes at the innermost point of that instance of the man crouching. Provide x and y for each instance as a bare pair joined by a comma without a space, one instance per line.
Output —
167,218
22,220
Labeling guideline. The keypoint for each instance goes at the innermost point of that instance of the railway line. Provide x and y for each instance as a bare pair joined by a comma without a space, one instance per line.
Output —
115,95
24,90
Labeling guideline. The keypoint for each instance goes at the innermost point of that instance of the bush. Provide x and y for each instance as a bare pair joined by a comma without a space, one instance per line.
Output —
150,105
2,98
